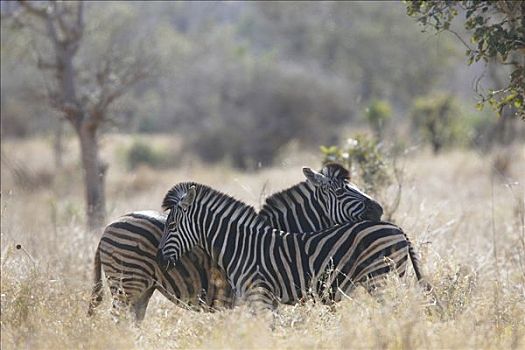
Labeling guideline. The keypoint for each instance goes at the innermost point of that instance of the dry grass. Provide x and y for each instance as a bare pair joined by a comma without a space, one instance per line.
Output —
452,208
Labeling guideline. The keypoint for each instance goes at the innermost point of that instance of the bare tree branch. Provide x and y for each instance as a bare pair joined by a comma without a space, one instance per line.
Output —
108,95
52,31
62,24
80,20
35,10
18,21
460,38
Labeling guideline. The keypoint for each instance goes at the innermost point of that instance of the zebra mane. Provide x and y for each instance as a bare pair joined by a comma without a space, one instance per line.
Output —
279,198
177,192
335,171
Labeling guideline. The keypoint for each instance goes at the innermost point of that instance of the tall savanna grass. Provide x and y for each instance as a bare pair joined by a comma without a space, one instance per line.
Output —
465,218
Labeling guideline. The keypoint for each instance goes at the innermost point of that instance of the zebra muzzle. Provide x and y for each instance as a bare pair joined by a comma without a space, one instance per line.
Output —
162,260
374,211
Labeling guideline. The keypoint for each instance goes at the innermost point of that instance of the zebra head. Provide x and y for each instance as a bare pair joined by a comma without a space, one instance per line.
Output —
343,201
178,237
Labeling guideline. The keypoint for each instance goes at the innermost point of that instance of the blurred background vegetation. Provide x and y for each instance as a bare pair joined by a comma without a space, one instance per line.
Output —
237,82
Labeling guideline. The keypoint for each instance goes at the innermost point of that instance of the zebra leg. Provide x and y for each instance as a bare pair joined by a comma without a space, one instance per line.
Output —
125,297
220,293
141,304
120,302
263,304
260,297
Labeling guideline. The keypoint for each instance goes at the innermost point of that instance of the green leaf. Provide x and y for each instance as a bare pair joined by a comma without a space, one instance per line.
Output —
480,105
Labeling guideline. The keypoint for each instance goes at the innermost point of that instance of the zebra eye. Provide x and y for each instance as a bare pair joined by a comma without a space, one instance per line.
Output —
339,192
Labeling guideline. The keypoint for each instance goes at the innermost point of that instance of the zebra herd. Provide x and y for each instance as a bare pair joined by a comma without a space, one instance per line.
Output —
319,238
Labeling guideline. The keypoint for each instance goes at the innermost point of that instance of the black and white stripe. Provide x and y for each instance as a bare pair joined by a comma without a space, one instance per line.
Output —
126,253
268,265
133,273
327,198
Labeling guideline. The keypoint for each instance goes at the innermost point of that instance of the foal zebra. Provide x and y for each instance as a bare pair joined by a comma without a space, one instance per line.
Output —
128,245
265,265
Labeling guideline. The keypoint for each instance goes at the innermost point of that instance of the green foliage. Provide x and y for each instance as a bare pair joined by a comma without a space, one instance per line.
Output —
479,128
498,32
365,154
378,114
435,118
140,153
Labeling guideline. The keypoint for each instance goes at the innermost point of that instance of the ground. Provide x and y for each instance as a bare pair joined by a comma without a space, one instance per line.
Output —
465,217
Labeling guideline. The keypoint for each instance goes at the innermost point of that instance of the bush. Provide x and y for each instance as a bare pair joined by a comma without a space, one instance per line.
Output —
29,179
141,153
364,153
436,118
378,171
378,114
254,118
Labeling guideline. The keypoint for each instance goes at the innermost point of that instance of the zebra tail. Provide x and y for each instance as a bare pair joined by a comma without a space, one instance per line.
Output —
97,293
420,278
416,263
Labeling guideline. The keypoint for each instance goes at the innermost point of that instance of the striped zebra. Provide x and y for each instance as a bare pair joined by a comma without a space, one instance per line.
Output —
265,265
126,253
128,245
327,198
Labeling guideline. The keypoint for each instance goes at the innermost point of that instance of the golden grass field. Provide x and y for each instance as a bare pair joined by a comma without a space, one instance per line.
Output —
466,220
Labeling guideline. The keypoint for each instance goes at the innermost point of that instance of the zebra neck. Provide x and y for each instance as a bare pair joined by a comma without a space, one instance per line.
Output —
230,226
296,209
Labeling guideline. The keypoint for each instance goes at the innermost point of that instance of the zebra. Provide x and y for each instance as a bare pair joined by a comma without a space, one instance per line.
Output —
265,265
127,251
133,273
325,199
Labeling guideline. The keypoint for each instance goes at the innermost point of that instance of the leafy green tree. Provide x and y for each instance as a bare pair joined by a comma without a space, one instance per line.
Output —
497,32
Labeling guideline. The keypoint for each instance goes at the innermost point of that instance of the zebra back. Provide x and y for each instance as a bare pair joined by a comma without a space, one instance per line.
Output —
253,254
196,280
327,198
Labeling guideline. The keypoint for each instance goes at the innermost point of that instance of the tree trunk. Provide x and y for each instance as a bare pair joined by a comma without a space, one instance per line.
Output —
94,176
502,133
58,145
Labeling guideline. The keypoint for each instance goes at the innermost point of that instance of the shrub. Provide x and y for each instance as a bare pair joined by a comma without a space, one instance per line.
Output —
378,114
142,153
436,118
378,171
28,178
364,153
479,127
254,119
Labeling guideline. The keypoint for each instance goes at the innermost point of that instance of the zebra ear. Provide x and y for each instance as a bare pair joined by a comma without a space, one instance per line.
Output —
315,178
188,199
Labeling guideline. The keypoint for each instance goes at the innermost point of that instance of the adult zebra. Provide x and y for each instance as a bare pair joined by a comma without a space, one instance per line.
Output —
126,252
267,265
128,245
